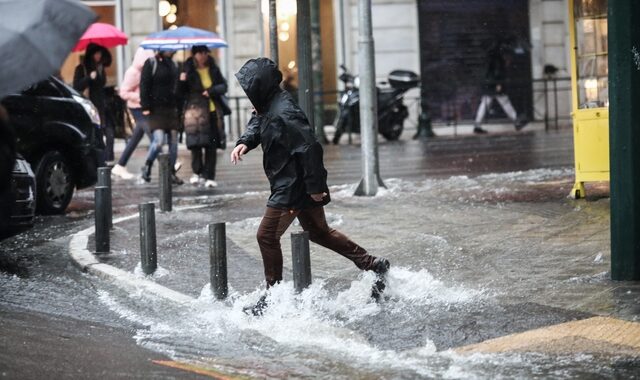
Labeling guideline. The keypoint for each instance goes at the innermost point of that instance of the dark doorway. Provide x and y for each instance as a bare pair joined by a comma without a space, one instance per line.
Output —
454,38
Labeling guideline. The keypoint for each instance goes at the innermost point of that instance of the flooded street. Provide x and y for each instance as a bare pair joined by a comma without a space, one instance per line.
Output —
476,254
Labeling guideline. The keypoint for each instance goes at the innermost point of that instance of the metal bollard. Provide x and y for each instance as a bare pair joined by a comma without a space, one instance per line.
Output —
165,182
101,234
218,259
148,249
301,260
104,179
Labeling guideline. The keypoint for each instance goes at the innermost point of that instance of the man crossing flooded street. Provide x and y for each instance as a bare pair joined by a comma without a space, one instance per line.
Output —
292,159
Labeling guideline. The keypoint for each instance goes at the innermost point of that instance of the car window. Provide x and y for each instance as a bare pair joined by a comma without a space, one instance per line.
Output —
44,88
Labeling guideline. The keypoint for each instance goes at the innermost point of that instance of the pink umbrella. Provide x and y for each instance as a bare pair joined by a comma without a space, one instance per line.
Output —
102,34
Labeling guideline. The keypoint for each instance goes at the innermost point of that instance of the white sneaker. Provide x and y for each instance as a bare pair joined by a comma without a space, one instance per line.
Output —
194,179
177,166
210,183
121,172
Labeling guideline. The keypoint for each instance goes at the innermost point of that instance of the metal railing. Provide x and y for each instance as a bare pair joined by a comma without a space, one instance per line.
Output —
548,95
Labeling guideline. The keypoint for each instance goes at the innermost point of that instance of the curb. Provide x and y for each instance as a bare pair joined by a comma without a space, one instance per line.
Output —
89,263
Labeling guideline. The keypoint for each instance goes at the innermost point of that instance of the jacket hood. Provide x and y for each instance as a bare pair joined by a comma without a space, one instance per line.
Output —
91,50
260,79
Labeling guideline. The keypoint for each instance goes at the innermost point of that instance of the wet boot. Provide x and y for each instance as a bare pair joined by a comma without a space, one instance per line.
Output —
146,171
257,310
380,267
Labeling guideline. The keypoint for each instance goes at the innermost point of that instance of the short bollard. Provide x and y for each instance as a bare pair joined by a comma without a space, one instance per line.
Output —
148,250
218,258
165,182
102,224
301,260
104,179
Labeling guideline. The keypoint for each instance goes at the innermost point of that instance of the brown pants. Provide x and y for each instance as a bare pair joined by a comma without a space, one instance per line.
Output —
276,221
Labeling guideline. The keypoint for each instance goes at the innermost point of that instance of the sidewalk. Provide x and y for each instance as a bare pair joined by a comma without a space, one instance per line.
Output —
474,258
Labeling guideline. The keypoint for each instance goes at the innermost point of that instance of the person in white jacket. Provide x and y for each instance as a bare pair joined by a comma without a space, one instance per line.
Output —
130,92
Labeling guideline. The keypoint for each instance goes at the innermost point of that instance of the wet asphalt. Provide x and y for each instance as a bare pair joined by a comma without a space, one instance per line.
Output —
61,312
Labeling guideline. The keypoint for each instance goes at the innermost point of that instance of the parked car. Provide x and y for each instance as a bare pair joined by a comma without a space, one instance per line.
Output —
18,202
56,133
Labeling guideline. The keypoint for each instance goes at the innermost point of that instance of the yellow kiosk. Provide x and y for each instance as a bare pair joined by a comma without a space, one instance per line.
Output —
590,95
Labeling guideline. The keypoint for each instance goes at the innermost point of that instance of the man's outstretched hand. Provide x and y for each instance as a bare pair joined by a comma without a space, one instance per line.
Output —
238,152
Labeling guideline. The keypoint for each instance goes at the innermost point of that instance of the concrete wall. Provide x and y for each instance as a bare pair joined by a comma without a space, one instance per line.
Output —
395,34
245,37
140,18
549,22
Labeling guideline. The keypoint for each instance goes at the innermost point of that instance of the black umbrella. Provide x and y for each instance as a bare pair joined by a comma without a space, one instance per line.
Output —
35,38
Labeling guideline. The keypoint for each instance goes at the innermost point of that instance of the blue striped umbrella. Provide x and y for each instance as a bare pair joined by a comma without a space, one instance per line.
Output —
181,38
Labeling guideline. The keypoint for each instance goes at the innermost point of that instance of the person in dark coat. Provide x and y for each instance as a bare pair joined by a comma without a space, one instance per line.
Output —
292,160
90,78
202,85
159,102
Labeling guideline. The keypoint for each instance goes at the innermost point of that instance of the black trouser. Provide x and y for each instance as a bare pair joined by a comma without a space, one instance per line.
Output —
205,168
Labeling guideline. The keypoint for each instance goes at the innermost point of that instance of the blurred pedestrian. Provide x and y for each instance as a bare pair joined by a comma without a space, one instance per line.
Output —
202,86
292,161
159,103
498,62
90,78
130,92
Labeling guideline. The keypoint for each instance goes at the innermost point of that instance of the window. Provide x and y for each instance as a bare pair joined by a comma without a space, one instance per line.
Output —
592,53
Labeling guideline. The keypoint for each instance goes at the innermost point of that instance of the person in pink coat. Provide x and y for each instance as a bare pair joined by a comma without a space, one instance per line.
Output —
130,92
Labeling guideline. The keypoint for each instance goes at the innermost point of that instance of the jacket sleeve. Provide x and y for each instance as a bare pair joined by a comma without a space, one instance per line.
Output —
129,88
308,152
315,175
219,84
80,80
146,79
251,137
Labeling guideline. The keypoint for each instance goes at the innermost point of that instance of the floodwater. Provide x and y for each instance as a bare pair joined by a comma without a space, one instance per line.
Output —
468,264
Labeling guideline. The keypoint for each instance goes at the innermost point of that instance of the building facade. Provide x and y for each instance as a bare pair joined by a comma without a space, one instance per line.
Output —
449,40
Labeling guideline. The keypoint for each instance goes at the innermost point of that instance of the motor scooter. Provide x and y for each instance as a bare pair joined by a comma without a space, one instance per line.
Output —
391,109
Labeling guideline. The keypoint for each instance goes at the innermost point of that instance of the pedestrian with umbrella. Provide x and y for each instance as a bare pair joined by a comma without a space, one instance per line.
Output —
155,91
90,75
202,86
160,104
90,78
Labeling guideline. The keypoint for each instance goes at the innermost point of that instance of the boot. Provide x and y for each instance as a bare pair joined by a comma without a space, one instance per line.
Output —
258,309
380,267
146,171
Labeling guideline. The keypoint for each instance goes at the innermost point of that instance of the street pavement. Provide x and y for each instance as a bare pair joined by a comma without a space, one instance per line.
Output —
488,255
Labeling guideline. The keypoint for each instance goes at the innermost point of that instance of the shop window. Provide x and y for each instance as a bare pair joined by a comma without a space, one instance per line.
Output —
592,53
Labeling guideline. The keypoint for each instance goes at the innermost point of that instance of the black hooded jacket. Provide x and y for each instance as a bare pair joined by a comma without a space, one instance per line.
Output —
82,76
292,156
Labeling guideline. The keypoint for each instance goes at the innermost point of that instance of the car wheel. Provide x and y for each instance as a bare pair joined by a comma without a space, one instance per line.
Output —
54,184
